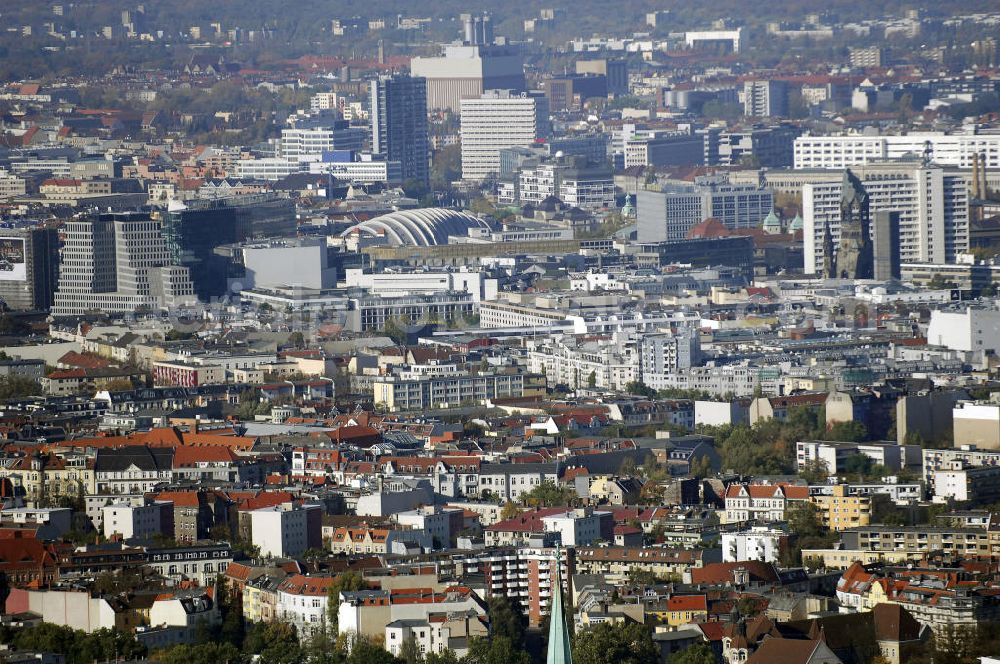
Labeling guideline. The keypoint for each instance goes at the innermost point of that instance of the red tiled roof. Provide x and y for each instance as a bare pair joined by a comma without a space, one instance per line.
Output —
83,360
786,651
688,603
238,571
300,584
720,573
709,228
265,499
180,498
67,373
526,522
186,456
713,631
20,552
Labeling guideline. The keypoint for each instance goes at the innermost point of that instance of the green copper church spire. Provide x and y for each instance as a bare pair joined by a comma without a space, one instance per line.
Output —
559,646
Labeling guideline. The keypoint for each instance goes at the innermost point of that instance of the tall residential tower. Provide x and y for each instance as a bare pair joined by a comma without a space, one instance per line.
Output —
399,123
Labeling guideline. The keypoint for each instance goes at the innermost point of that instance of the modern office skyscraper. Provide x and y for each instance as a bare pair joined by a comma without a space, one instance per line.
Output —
495,121
195,230
118,263
399,123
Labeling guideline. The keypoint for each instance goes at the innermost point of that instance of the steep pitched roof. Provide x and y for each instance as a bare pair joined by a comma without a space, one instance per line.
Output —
688,603
181,498
24,553
895,623
143,457
186,457
720,573
786,651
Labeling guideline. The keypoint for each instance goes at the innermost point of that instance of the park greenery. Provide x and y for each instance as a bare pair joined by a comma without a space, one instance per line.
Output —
549,494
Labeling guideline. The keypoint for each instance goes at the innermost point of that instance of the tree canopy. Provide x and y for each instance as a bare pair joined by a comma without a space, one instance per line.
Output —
699,653
507,619
345,582
498,650
549,494
629,643
78,646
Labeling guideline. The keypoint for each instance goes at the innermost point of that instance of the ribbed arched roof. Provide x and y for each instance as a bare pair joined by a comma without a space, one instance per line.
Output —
423,227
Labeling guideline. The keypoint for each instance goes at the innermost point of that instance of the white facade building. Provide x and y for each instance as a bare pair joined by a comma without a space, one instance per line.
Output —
269,168
933,209
574,362
578,527
305,143
467,71
765,98
201,563
668,352
131,520
365,169
971,330
720,413
574,183
281,531
838,152
501,313
498,120
731,379
760,502
430,521
669,214
759,543
435,635
508,481
302,602
189,611
396,284
968,456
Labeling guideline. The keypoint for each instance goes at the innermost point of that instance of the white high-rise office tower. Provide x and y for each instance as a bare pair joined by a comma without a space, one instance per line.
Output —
118,263
498,120
933,209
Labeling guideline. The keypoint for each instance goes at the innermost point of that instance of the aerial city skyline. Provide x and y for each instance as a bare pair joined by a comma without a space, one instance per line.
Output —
637,333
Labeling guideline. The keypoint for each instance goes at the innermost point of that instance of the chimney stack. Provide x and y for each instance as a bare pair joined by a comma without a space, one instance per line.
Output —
975,175
984,189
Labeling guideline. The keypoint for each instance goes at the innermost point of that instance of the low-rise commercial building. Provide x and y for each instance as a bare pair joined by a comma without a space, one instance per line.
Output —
395,393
